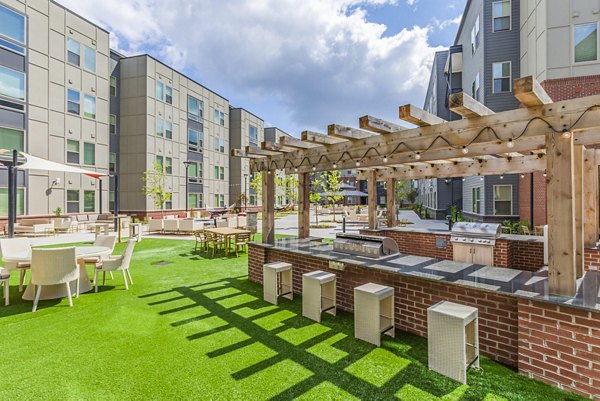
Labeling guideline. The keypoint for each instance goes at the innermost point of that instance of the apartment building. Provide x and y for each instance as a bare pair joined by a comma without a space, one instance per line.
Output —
246,129
54,103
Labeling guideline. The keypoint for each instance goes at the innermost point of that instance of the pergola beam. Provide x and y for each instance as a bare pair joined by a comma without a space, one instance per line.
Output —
377,125
275,147
418,117
530,93
242,153
255,150
296,143
319,138
352,134
464,105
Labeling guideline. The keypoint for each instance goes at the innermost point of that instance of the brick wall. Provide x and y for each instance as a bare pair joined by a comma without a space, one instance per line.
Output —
497,313
539,199
560,346
591,256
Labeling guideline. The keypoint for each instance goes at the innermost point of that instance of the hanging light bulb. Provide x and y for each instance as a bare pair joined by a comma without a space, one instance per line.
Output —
545,173
501,177
385,159
358,163
566,134
481,178
295,169
268,171
314,167
334,165
464,179
418,155
510,144
465,150
522,175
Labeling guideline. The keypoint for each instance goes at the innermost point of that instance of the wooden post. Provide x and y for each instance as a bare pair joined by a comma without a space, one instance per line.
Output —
372,199
578,198
268,207
303,205
590,198
391,202
561,215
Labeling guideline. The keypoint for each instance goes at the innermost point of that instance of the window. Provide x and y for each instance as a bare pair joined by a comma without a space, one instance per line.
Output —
89,154
72,151
222,200
112,124
222,170
160,91
219,145
200,169
169,95
501,74
4,196
113,86
475,88
195,139
72,201
195,108
89,61
159,161
216,173
111,201
73,101
89,106
73,52
12,83
112,162
502,200
89,201
219,117
12,29
216,200
169,130
193,200
168,165
160,127
169,204
193,171
585,39
476,206
253,135
475,36
501,15
11,139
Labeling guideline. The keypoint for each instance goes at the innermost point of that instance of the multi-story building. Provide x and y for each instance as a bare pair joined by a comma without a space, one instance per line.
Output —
246,129
54,103
273,134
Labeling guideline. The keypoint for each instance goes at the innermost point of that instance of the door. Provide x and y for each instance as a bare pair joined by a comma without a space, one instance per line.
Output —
462,253
483,255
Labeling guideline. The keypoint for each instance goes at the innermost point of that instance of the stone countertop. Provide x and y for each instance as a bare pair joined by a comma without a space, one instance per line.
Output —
508,237
517,283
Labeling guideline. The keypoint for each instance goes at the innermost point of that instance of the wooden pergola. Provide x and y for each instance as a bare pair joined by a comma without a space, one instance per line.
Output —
540,136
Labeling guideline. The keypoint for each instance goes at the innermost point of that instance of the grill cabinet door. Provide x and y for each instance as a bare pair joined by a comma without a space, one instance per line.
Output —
483,255
462,253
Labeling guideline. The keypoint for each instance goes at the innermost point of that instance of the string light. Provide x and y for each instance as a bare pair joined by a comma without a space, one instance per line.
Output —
522,176
385,159
465,150
358,163
566,134
481,178
545,173
334,165
314,167
268,171
296,169
418,155
502,177
464,179
510,144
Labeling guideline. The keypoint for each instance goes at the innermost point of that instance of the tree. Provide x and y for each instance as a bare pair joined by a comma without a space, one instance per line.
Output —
290,183
316,186
333,185
155,186
404,190
256,184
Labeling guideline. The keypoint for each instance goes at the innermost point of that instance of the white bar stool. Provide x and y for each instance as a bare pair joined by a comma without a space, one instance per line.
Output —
135,231
453,339
318,294
4,280
277,281
373,312
101,229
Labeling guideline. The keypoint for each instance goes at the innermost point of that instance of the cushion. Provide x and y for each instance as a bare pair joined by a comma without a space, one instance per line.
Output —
181,216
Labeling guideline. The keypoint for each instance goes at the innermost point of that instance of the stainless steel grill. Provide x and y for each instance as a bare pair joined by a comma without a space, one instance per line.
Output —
370,246
475,233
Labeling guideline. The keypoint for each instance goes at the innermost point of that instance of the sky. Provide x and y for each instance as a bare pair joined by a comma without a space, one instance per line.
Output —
298,64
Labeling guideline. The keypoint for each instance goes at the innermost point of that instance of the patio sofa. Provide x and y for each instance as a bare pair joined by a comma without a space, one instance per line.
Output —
155,225
34,226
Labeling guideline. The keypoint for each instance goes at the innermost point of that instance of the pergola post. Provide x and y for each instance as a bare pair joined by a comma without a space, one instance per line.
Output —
561,215
578,198
303,205
268,207
372,199
391,202
590,198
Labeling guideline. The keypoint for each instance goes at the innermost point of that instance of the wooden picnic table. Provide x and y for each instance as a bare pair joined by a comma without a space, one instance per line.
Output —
227,233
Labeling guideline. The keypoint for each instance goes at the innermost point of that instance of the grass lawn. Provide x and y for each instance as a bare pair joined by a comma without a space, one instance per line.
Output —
198,329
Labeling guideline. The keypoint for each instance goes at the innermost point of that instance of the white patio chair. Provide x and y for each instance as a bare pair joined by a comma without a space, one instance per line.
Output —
116,263
52,267
4,280
16,247
108,241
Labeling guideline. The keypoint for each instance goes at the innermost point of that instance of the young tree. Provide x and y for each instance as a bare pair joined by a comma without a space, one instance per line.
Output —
333,185
290,183
256,184
316,186
155,186
404,190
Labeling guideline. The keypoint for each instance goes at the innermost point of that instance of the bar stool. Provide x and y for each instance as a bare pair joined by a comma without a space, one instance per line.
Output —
101,229
135,231
318,294
373,312
277,281
453,339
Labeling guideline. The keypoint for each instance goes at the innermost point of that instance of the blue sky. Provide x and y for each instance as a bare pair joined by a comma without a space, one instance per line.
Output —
298,64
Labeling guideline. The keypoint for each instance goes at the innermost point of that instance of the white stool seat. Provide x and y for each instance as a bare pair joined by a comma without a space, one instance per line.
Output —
321,276
277,281
373,312
278,266
380,291
318,294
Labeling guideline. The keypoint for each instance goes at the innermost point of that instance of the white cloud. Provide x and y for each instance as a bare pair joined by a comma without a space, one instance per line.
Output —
300,64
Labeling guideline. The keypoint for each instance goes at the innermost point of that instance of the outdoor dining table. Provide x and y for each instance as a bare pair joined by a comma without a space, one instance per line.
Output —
59,290
227,233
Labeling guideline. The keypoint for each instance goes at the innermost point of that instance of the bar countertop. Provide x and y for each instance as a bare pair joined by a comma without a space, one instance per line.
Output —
513,282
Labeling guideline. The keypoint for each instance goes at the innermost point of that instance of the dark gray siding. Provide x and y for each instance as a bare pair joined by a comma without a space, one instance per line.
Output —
472,63
114,107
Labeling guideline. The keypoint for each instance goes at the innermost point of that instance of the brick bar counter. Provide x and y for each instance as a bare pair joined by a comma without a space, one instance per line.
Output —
552,339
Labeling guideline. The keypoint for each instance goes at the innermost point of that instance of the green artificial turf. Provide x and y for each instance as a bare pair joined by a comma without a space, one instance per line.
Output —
198,329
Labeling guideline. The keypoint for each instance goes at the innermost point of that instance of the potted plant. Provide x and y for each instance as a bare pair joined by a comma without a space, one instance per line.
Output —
58,220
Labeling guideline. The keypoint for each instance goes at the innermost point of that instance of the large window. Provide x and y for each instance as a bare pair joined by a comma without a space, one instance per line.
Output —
475,88
195,108
169,129
89,154
113,85
219,200
585,39
219,145
193,172
4,201
89,201
12,29
89,106
253,135
112,124
216,173
72,201
89,61
501,15
159,161
168,165
73,101
11,139
219,117
501,74
502,200
12,83
475,36
195,139
160,91
160,127
476,200
72,151
112,162
169,95
73,52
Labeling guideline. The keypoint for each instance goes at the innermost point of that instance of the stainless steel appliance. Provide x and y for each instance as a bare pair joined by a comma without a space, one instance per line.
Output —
370,246
474,242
